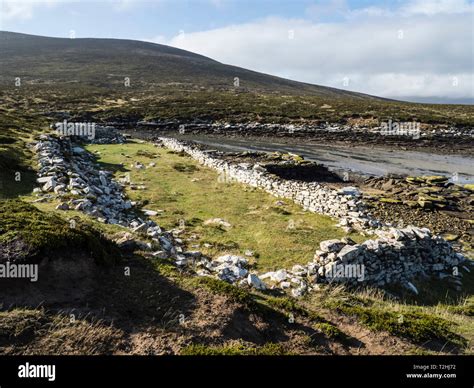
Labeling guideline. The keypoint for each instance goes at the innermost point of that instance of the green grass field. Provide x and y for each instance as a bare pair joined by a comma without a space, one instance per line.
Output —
189,194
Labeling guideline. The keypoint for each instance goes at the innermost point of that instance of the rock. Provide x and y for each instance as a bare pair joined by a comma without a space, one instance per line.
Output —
312,268
153,231
450,236
299,270
181,260
45,179
267,275
59,188
255,282
348,253
217,222
78,150
140,228
238,272
232,259
62,206
469,186
348,241
349,190
299,291
414,179
389,200
166,244
149,213
279,275
194,254
160,254
49,185
412,288
425,204
331,245
132,245
435,179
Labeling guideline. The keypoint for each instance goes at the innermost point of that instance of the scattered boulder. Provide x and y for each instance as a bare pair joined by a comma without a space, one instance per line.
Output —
217,222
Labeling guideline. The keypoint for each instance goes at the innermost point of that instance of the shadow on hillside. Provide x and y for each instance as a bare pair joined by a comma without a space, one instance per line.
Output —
135,296
113,167
11,187
435,291
15,179
147,300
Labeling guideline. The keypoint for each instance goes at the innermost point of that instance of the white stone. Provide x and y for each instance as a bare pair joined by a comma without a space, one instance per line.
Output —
331,245
255,282
279,276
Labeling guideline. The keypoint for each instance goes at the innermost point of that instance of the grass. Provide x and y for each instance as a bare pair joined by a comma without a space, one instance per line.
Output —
220,287
16,174
44,233
111,103
265,304
238,349
419,324
193,194
38,331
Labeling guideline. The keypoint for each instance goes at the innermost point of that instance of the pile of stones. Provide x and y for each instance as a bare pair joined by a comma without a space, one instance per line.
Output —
397,257
107,135
69,172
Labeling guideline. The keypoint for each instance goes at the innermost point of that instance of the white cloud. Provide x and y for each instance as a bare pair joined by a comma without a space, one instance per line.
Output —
22,9
433,7
394,53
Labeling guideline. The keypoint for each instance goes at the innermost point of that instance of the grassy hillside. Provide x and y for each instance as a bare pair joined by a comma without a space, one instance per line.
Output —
86,78
95,103
105,62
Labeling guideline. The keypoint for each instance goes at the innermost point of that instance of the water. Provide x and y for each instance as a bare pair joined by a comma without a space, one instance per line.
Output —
375,161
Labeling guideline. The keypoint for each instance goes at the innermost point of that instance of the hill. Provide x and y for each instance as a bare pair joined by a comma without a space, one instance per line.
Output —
106,62
86,78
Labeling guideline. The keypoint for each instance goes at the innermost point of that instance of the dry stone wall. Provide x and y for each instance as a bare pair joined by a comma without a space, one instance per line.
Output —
393,256
345,204
396,256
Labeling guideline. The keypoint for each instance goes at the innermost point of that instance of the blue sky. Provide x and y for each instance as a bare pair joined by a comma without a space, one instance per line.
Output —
136,19
417,49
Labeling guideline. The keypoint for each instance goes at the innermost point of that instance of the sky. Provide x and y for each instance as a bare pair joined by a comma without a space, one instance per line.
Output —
418,50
